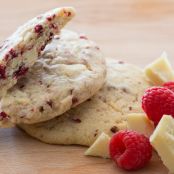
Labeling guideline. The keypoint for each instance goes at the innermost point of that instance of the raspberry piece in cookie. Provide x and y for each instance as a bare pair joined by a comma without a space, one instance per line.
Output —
20,51
130,150
3,116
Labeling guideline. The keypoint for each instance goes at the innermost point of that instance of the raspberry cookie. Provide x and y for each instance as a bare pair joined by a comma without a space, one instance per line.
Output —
71,70
105,112
20,51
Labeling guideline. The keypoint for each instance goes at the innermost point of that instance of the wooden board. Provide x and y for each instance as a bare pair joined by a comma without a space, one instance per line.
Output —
136,31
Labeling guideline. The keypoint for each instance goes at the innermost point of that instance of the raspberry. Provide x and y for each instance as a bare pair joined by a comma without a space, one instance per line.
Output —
158,101
169,85
130,150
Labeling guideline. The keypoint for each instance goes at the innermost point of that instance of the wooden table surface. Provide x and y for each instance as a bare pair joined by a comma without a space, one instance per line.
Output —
133,30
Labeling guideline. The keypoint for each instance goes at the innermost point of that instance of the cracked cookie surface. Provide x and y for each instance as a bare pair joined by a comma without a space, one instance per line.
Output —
104,112
71,70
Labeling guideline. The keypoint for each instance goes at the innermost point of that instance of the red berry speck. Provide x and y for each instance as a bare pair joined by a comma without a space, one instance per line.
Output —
6,57
42,47
21,71
3,116
77,120
130,150
83,37
54,26
2,72
49,18
38,29
13,53
50,103
158,101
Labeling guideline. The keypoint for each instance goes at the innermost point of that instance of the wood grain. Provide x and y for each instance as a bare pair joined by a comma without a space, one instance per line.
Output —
136,31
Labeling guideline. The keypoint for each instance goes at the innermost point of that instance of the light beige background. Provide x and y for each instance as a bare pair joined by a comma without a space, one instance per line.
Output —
133,30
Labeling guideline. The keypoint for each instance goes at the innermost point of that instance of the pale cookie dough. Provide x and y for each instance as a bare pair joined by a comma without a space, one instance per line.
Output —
71,70
20,51
105,112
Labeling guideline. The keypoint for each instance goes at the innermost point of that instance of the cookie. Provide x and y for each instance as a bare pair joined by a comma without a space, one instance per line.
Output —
20,51
105,112
71,70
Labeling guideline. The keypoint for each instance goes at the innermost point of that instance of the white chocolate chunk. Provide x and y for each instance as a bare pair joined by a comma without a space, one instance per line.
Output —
100,147
160,71
139,122
163,141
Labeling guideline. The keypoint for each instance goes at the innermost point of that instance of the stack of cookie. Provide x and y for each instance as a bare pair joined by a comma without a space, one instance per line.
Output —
54,84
